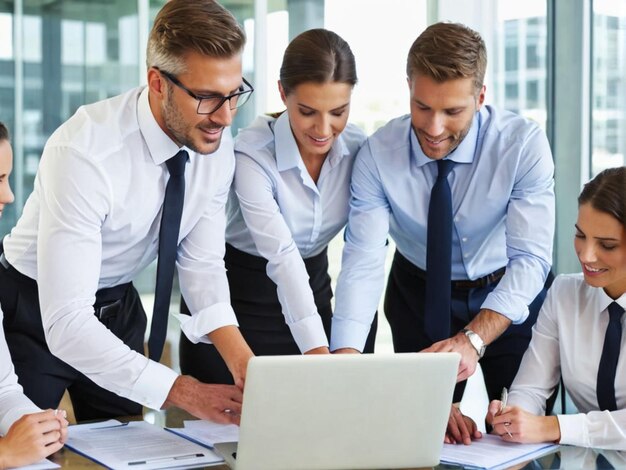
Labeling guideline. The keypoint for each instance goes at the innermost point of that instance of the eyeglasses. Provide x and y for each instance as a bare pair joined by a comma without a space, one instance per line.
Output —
208,104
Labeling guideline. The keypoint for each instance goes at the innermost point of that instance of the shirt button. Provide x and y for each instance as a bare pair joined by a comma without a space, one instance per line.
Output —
464,239
466,255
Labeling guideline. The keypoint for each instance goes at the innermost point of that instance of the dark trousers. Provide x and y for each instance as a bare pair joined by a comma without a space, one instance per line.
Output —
259,313
45,377
404,308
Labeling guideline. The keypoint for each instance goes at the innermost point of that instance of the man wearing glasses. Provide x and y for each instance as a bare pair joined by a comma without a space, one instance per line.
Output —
116,181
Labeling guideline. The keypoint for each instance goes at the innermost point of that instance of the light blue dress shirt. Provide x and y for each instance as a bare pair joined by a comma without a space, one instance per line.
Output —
503,207
280,214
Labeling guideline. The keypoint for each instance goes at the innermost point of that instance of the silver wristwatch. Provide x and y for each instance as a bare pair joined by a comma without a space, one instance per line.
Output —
476,341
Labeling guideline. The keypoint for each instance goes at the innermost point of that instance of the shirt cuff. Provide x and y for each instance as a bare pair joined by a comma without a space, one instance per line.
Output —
154,385
573,429
348,334
16,408
197,326
309,333
516,313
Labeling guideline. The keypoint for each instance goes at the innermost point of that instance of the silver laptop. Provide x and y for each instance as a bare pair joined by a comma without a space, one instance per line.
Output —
344,411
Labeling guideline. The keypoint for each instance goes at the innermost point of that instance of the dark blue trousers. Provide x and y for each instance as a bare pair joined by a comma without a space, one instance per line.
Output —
404,309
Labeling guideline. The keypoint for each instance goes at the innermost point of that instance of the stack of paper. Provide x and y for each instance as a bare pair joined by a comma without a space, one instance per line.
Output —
491,452
137,445
208,433
43,464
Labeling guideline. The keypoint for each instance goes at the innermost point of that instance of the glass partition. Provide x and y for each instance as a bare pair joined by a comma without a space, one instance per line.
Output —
380,52
608,137
516,36
54,57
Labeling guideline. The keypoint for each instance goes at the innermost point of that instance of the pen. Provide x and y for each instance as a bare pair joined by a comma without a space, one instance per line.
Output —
503,399
165,459
116,425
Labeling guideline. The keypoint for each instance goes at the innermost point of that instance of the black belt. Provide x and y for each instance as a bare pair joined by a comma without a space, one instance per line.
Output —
472,284
481,281
460,284
236,256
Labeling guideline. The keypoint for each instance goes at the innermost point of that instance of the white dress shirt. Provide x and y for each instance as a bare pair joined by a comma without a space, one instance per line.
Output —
93,220
282,215
568,339
503,208
13,403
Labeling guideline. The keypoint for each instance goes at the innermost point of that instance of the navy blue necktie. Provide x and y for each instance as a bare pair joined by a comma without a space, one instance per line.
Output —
605,389
439,256
168,245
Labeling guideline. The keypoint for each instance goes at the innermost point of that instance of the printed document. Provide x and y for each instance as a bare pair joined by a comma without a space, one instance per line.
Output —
208,433
491,452
43,464
137,446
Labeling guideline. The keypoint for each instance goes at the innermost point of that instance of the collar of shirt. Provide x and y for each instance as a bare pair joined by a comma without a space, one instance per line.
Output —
159,144
601,300
287,151
464,153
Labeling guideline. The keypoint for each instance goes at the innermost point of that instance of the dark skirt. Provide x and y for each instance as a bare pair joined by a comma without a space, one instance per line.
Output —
259,313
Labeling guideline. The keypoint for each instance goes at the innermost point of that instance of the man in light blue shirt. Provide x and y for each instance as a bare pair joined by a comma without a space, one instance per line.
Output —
502,199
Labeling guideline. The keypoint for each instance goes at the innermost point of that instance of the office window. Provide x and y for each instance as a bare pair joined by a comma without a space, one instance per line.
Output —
380,52
515,34
6,35
265,78
533,59
532,94
521,39
510,58
535,54
512,93
70,54
608,139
